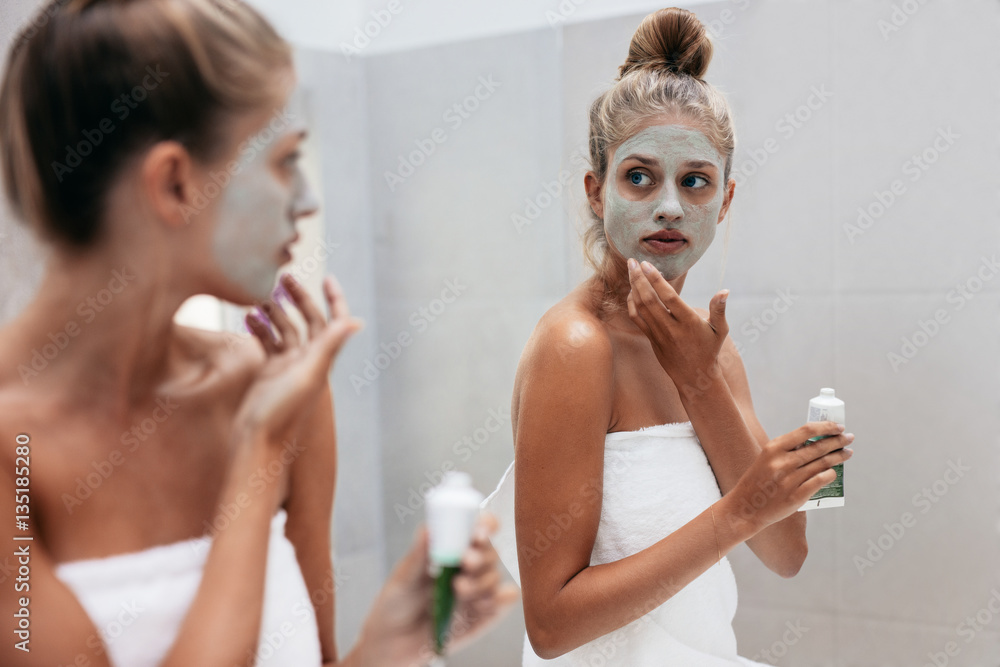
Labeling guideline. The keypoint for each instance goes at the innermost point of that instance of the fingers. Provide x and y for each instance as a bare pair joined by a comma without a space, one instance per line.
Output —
261,328
279,318
482,585
480,573
717,313
335,298
411,571
826,462
481,556
792,440
315,320
814,484
341,325
486,525
333,338
645,307
633,313
821,449
479,585
663,290
645,295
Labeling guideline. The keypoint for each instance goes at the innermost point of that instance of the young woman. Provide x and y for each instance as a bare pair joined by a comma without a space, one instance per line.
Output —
174,492
639,462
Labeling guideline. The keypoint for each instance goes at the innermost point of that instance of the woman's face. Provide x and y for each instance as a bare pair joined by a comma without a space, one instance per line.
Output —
266,194
664,196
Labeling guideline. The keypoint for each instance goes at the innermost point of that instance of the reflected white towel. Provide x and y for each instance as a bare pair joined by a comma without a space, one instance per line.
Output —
138,601
655,480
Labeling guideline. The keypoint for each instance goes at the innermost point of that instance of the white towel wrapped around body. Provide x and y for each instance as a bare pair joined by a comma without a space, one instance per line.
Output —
138,601
655,480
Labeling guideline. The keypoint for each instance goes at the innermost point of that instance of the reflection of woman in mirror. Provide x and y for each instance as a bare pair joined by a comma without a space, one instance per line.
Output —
181,489
638,458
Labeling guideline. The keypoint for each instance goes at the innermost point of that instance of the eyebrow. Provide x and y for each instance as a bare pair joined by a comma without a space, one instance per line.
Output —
691,164
699,164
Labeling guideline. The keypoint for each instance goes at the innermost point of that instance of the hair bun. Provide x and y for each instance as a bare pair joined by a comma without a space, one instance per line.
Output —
672,39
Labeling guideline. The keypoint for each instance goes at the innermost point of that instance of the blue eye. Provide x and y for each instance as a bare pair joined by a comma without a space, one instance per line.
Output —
636,178
692,181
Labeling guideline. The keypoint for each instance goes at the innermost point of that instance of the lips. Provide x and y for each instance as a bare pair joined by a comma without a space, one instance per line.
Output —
288,244
665,241
285,252
665,235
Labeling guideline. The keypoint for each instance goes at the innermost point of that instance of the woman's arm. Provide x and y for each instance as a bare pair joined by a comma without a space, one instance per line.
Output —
716,396
269,416
782,546
310,514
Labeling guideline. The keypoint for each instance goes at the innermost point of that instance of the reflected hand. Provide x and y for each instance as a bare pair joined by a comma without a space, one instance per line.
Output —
399,629
297,366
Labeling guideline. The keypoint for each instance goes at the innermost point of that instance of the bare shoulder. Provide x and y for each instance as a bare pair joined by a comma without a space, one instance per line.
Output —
567,366
569,336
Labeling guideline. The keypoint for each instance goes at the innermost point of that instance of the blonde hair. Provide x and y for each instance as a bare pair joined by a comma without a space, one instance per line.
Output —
668,56
91,83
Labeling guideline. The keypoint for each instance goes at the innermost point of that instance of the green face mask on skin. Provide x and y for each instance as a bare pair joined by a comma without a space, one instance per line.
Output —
656,183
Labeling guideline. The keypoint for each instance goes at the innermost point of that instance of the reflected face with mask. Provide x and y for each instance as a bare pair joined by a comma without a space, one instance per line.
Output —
257,210
664,196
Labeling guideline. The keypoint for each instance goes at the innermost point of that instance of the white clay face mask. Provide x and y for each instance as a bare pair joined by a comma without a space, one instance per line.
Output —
257,209
660,206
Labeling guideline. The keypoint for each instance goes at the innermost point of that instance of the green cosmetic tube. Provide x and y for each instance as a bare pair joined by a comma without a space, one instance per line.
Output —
452,510
827,407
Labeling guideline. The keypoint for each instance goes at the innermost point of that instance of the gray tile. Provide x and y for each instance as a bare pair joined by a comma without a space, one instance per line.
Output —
870,642
786,636
900,99
359,578
458,210
920,538
446,400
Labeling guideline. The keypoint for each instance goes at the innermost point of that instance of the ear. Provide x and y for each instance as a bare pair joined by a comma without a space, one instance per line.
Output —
727,200
594,192
168,183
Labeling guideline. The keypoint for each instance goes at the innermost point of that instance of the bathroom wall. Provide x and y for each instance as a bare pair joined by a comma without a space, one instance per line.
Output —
21,257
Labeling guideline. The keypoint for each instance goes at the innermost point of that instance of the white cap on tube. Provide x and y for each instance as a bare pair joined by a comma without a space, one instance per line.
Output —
452,509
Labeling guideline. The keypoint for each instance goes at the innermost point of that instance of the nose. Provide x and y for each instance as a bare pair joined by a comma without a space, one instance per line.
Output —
304,202
668,204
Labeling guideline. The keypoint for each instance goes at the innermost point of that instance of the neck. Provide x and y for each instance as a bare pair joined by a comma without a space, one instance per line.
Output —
616,286
100,330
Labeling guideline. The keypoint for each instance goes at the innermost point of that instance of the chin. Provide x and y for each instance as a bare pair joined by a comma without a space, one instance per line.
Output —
249,292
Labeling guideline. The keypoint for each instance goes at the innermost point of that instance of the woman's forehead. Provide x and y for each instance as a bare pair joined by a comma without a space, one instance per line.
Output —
670,140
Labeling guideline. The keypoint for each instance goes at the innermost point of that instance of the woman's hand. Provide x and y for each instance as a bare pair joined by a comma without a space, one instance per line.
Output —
785,475
686,345
296,366
399,629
